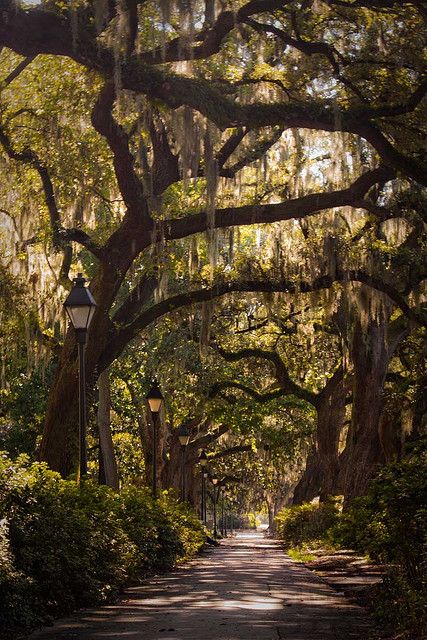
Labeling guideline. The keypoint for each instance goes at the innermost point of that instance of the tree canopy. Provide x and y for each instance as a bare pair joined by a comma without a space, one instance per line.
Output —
244,186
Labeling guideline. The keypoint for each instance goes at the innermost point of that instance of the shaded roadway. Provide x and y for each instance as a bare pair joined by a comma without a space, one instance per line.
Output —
246,589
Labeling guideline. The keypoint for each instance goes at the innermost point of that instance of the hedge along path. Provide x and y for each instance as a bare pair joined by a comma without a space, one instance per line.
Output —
247,589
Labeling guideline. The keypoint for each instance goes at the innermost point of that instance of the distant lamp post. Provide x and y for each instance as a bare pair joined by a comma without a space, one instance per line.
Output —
223,527
155,400
80,307
214,482
203,461
184,439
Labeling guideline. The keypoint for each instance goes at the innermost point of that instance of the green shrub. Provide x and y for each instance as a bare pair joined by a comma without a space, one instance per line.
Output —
306,523
66,540
151,529
15,589
191,533
390,525
63,546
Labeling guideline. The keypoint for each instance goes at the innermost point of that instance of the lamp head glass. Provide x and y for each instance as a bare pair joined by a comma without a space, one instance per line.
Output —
154,397
203,459
184,435
80,305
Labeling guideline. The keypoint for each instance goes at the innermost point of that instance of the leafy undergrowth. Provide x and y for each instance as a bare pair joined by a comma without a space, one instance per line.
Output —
388,526
64,546
300,554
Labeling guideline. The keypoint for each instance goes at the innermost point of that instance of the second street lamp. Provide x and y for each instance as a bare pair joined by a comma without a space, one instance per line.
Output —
80,307
155,400
203,460
184,439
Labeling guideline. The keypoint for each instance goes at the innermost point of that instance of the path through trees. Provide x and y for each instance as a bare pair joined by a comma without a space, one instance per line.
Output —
245,589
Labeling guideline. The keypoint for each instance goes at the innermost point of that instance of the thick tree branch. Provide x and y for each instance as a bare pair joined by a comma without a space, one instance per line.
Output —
210,39
257,152
206,440
124,165
60,235
229,147
82,238
267,213
281,371
27,156
120,338
165,166
140,295
18,70
262,398
39,31
307,47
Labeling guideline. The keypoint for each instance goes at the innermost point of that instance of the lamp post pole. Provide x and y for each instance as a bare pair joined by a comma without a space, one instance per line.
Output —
203,460
154,483
81,341
202,495
155,400
80,307
214,482
182,473
222,513
184,439
205,508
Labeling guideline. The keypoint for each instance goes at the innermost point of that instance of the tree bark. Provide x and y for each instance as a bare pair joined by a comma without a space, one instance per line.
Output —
59,442
309,485
104,429
321,472
363,453
330,416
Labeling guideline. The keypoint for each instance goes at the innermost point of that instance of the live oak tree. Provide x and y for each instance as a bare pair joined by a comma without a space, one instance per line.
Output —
137,127
343,391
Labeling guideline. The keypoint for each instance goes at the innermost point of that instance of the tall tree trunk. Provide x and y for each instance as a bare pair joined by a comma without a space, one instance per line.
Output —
391,431
419,421
159,430
104,429
321,472
59,445
270,510
363,453
330,416
308,486
172,472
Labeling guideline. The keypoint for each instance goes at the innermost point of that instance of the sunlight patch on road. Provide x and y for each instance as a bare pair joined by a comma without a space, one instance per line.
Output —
252,603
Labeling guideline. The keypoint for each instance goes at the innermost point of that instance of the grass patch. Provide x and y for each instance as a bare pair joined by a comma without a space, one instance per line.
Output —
299,554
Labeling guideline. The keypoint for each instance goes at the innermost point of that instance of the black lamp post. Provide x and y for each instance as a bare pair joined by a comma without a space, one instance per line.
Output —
222,514
203,460
80,307
214,482
155,400
184,439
